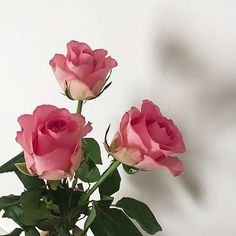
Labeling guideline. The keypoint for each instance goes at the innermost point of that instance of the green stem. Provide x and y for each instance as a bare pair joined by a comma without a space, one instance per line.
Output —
79,107
106,174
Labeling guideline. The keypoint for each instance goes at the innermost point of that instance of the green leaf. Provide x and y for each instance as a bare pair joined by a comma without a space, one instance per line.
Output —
22,168
54,184
10,165
141,213
62,230
7,201
15,232
48,225
113,222
88,172
78,231
92,150
90,219
34,210
14,213
111,184
129,169
30,182
32,232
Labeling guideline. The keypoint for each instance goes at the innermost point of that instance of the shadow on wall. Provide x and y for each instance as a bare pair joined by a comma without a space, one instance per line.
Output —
204,96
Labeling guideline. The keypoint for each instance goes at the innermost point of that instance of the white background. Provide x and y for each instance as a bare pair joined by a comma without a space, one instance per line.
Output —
180,54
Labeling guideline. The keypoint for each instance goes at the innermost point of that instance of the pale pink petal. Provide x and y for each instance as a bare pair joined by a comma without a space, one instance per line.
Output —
127,156
147,164
29,160
54,175
79,90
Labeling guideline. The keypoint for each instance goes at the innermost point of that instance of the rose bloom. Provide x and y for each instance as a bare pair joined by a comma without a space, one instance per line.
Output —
146,140
51,140
82,70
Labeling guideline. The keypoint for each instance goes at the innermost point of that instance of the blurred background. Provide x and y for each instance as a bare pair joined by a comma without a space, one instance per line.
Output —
180,54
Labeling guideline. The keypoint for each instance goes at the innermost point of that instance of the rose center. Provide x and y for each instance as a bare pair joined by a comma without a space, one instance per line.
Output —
57,125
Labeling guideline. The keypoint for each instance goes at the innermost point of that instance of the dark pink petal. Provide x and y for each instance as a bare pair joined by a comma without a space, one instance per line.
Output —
45,144
96,76
158,134
110,63
99,54
150,111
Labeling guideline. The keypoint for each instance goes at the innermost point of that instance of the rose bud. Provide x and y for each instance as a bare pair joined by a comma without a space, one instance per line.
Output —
146,140
83,71
51,140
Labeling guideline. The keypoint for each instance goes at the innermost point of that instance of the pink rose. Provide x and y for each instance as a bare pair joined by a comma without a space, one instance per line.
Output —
85,70
146,140
51,139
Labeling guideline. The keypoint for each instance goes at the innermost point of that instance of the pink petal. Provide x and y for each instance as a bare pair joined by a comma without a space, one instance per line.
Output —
41,112
59,159
150,110
99,54
173,164
62,73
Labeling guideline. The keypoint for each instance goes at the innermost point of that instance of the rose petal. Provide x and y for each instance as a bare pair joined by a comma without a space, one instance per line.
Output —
59,159
173,164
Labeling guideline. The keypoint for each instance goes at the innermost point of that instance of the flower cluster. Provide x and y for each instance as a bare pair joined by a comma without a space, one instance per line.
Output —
58,158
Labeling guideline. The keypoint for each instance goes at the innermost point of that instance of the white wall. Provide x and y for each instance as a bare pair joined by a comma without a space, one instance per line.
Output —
180,54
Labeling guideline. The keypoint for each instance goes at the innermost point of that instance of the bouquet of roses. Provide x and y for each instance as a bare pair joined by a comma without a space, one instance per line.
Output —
58,164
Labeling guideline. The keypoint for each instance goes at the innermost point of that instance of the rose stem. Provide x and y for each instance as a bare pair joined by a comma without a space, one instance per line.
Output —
79,106
106,174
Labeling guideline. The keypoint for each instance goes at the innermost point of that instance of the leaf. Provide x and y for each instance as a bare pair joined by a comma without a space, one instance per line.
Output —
141,213
62,230
10,165
111,184
48,225
90,219
32,232
88,172
113,222
7,201
106,133
30,182
22,168
129,169
34,210
15,232
92,150
14,213
78,231
54,184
